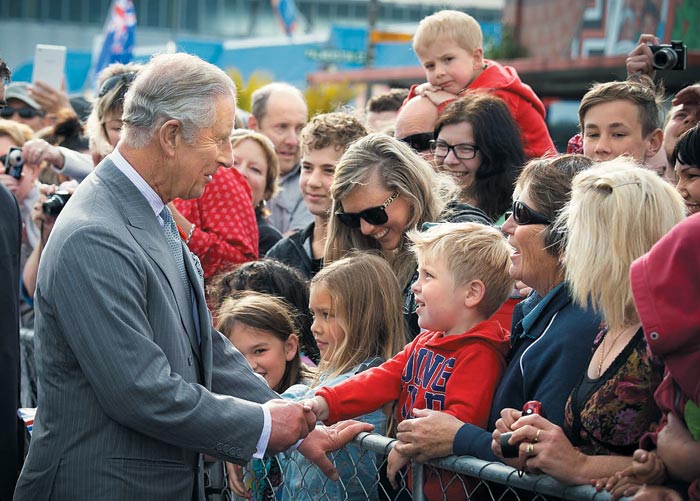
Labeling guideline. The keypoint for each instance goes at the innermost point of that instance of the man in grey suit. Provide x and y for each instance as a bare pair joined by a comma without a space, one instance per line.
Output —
134,383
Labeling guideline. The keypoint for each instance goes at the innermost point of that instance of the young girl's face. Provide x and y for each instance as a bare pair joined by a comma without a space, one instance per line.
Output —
325,328
266,353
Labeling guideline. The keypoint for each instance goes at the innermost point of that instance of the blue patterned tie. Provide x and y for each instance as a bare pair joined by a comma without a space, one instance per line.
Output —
172,236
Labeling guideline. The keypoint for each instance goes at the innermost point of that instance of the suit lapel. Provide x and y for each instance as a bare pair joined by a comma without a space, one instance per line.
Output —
144,226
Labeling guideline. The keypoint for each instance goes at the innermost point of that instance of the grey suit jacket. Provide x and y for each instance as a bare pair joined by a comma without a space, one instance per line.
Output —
126,392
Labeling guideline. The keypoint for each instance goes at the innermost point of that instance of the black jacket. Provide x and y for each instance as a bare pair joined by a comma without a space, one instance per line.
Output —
291,250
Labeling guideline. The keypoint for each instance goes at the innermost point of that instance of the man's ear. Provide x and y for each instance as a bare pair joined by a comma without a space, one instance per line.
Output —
170,136
253,123
654,140
474,293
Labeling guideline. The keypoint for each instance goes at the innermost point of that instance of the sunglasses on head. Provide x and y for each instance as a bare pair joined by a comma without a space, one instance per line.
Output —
113,81
26,112
374,215
419,142
524,215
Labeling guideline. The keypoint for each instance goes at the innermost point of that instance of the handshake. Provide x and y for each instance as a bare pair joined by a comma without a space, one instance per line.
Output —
295,421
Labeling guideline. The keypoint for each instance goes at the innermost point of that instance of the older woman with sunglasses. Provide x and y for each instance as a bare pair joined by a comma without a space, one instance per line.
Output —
549,330
617,212
381,189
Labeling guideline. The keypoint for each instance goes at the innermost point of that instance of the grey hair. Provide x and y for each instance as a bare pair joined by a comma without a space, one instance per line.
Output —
173,86
261,96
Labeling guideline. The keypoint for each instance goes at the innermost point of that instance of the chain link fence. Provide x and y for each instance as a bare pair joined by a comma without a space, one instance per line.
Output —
450,478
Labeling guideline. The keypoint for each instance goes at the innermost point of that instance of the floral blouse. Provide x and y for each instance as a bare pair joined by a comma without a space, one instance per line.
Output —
609,415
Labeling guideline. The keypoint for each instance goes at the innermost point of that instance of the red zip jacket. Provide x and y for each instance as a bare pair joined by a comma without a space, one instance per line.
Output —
456,374
666,287
527,109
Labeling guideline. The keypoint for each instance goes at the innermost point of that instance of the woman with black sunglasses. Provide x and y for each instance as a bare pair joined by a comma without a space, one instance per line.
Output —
618,210
549,331
381,189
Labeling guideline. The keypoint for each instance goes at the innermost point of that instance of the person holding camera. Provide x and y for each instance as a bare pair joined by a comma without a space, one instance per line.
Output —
645,59
44,213
21,178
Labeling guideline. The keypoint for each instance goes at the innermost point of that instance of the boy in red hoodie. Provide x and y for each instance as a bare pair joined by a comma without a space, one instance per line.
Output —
455,364
449,47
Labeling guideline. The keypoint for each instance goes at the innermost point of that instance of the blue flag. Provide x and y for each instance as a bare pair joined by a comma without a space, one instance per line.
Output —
119,30
286,10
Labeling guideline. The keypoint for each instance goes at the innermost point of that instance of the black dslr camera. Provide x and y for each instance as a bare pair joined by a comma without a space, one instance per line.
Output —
14,162
55,203
671,56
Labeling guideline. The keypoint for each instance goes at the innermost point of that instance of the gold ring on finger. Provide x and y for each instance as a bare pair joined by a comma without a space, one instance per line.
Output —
537,435
530,450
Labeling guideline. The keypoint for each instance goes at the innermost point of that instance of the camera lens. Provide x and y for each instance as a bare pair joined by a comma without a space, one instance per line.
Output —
55,203
665,58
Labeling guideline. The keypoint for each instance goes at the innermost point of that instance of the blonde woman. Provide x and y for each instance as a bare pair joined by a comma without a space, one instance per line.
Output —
255,158
618,210
382,189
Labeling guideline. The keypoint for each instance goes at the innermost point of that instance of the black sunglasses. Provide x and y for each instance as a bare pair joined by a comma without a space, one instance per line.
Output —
419,142
26,112
112,82
524,215
374,215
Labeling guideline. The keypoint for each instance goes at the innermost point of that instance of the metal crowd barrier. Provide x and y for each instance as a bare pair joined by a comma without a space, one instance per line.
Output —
452,477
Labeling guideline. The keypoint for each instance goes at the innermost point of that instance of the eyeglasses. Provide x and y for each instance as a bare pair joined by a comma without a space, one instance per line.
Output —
524,215
26,112
419,142
113,81
374,215
463,151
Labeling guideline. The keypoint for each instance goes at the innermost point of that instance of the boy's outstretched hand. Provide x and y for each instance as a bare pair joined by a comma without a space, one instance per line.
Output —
319,406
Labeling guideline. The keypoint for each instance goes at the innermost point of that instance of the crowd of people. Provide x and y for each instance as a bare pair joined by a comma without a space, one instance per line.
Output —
204,298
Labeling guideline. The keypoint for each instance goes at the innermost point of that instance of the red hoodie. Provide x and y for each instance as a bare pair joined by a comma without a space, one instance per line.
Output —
666,287
456,374
526,108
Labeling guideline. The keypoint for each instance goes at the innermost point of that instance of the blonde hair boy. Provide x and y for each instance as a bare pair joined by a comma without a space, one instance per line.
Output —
449,45
470,251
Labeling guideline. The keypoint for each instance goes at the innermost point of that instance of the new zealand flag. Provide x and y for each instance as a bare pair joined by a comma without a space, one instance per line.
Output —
118,45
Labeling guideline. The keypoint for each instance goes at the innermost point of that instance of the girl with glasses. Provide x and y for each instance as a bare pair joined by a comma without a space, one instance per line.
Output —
478,144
